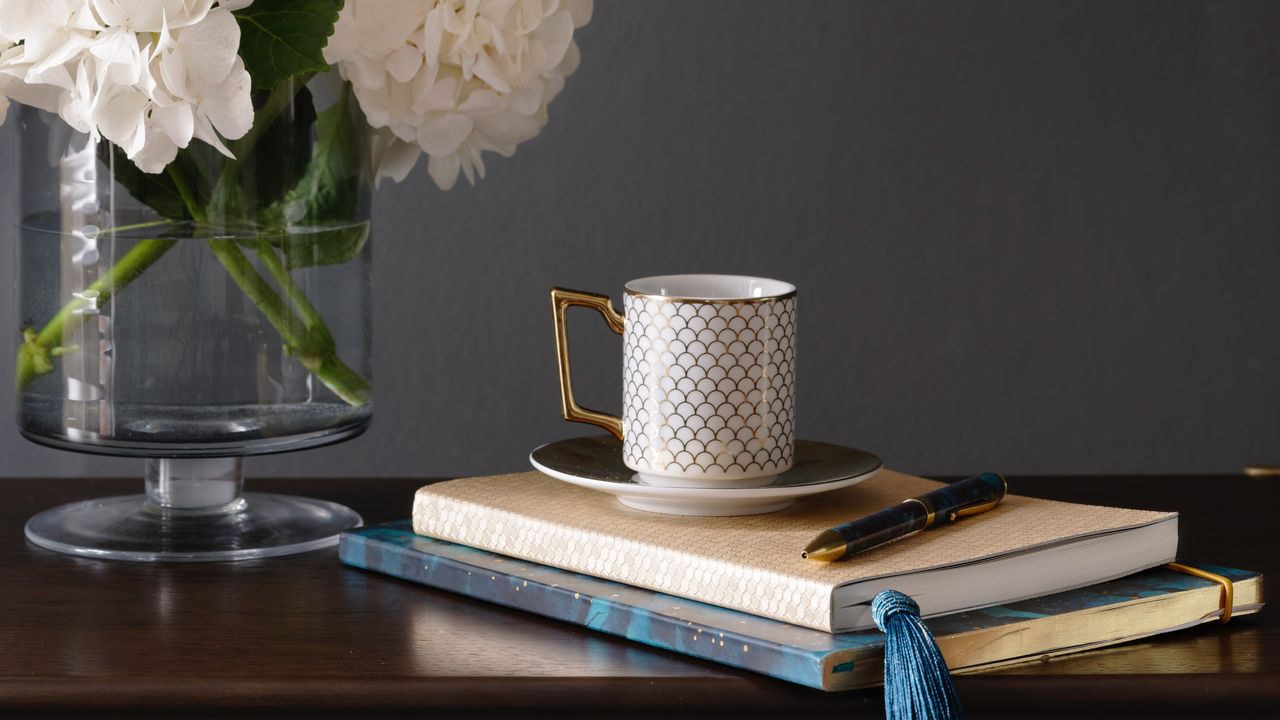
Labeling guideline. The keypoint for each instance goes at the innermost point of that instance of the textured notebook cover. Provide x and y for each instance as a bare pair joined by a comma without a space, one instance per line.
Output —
750,563
1142,604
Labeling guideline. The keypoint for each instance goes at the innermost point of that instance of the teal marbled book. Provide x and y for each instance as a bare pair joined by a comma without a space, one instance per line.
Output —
1148,603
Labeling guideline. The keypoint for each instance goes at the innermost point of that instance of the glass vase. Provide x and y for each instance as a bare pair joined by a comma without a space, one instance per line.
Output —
217,309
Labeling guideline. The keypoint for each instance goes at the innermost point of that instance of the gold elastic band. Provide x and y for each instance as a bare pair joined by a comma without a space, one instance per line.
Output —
1227,594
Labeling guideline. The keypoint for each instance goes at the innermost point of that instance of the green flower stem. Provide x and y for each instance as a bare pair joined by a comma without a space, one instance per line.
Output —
313,346
34,356
271,261
135,226
308,338
188,198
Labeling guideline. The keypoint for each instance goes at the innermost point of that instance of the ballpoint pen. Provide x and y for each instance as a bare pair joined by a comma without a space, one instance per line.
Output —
947,504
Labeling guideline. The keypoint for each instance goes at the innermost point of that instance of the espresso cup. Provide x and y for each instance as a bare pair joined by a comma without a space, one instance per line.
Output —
708,380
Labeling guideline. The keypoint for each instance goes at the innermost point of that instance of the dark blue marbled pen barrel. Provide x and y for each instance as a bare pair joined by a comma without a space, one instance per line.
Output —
943,505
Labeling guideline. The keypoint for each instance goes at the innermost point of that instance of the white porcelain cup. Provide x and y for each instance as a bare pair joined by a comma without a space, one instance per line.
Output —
709,377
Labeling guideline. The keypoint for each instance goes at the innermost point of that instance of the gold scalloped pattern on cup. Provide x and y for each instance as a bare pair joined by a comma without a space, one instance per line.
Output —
709,388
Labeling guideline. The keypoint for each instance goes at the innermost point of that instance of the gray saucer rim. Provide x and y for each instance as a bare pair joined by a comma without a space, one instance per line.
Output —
604,452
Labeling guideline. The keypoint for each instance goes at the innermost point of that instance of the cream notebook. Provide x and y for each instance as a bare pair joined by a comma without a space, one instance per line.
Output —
1024,548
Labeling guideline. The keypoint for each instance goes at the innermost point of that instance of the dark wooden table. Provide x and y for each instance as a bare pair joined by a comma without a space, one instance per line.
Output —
306,636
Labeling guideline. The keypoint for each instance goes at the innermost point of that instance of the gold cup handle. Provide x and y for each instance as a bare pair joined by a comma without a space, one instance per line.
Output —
562,300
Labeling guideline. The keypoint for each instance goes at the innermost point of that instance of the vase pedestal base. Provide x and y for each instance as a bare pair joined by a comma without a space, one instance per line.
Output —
193,511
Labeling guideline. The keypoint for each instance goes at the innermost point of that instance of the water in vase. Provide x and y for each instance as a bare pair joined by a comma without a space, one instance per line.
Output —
148,339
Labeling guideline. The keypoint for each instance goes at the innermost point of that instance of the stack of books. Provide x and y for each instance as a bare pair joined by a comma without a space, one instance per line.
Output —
1027,580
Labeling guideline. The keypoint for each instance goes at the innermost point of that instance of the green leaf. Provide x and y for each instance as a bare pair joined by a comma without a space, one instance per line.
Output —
284,151
329,246
155,190
327,191
252,181
279,38
326,195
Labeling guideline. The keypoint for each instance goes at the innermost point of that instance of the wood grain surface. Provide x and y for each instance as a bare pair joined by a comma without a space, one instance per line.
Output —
307,637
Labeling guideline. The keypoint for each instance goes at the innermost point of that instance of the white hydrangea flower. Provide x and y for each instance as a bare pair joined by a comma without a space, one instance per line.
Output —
5,80
454,78
148,75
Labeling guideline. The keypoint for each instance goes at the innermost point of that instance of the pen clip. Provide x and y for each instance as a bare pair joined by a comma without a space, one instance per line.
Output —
973,509
979,506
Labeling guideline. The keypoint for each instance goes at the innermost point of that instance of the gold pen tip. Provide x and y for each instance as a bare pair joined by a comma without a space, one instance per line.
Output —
825,554
829,545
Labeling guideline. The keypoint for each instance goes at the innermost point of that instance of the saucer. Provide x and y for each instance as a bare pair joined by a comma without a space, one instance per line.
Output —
596,463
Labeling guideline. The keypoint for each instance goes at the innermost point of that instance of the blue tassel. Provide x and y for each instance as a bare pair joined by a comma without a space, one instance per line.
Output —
917,684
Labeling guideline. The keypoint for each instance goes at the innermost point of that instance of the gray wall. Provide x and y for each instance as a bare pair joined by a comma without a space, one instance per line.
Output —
1038,237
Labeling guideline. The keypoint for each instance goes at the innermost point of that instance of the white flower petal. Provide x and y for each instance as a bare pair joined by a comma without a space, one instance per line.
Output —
204,131
229,105
443,95
71,46
120,119
444,133
569,65
10,57
529,16
487,70
509,128
367,73
44,97
43,43
384,25
157,153
472,164
526,101
173,73
392,158
118,50
84,19
210,46
57,76
403,64
458,18
485,102
76,108
552,84
22,18
580,10
147,16
444,170
342,44
553,37
433,36
177,122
